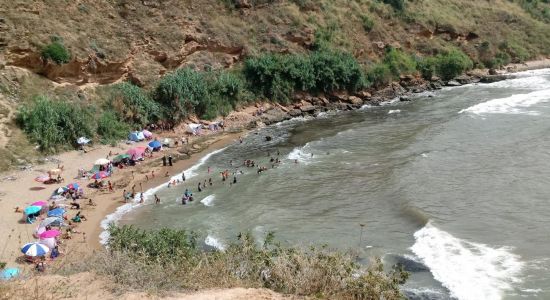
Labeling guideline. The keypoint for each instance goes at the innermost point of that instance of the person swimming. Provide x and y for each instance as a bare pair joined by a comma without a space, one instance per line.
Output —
199,188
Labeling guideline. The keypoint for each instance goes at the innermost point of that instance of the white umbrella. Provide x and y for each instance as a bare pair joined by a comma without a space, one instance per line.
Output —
51,220
82,141
101,162
50,242
39,230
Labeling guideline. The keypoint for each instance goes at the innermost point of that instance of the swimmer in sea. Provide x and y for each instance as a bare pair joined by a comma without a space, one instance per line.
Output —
199,187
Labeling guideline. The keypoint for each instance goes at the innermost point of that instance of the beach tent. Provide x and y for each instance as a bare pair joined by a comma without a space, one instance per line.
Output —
82,140
156,145
147,134
121,157
136,136
168,142
194,128
136,153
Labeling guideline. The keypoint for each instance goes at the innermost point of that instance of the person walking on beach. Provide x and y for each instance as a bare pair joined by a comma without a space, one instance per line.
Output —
164,161
157,199
183,176
110,186
170,160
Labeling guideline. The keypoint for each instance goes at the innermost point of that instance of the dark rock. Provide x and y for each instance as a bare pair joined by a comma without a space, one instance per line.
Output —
268,138
295,113
463,79
356,101
493,78
492,71
404,98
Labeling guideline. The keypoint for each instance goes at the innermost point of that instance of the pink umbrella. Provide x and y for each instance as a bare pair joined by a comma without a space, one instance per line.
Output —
39,203
42,178
50,234
100,175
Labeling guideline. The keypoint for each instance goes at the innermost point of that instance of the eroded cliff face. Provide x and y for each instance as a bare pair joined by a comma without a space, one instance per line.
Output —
114,40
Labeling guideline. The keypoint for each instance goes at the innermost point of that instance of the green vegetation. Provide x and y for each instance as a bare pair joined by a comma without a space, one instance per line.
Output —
398,5
368,23
56,52
277,77
452,64
171,259
133,105
110,128
394,64
54,125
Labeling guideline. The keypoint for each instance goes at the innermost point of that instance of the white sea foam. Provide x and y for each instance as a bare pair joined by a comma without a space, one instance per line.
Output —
214,242
515,104
147,196
522,82
208,200
394,111
300,154
469,270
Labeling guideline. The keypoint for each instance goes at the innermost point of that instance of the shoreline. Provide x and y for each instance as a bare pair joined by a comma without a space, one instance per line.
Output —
12,195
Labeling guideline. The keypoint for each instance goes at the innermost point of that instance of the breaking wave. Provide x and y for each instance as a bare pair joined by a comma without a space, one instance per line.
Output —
515,104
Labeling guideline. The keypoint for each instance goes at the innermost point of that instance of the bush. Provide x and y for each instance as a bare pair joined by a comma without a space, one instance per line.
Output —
277,77
426,67
54,124
57,52
452,64
398,5
170,259
379,75
110,128
183,92
368,23
134,105
399,62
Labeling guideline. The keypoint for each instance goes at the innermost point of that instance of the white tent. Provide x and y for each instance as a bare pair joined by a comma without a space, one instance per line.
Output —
193,128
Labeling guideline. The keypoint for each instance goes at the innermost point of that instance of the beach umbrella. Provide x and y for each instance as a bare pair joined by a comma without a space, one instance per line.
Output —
100,175
39,230
57,212
147,133
60,190
82,140
35,249
73,186
29,210
101,162
49,221
121,157
155,144
39,203
42,178
9,273
50,242
49,234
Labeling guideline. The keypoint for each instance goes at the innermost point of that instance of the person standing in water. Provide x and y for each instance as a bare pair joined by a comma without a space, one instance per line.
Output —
234,179
199,187
157,199
183,176
210,181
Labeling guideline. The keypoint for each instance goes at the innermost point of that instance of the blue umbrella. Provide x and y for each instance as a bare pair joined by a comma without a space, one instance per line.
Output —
35,249
155,144
9,273
57,212
29,210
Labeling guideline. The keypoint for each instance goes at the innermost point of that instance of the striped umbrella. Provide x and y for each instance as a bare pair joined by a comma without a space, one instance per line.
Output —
35,249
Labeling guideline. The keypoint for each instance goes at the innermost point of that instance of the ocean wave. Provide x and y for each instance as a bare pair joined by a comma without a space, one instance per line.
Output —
147,196
214,242
469,270
523,81
394,111
515,104
208,200
300,154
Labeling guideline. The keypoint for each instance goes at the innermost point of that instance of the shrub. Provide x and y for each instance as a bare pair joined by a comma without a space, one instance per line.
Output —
398,5
426,67
171,259
452,64
368,23
379,75
399,62
54,124
57,52
335,71
133,104
110,128
183,92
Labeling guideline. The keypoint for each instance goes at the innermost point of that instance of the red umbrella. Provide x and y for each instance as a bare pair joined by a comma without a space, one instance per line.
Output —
50,234
39,203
